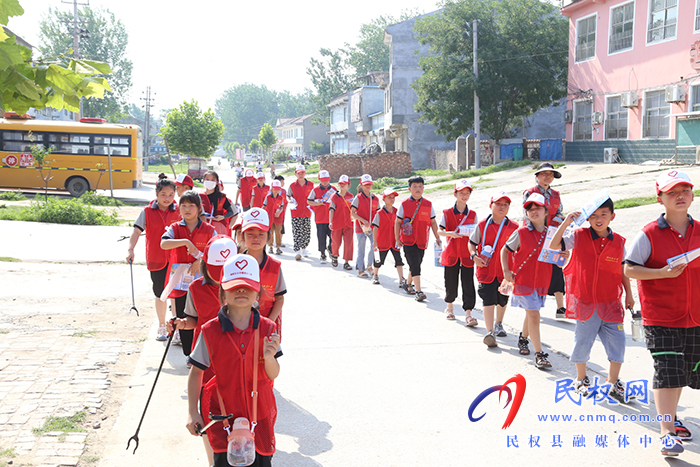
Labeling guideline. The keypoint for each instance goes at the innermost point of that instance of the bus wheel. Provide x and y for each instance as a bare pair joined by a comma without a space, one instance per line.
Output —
77,186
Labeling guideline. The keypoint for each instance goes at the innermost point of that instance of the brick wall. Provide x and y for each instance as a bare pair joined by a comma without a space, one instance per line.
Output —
385,164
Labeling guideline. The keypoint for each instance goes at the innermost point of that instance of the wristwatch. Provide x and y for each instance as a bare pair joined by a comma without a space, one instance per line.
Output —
472,256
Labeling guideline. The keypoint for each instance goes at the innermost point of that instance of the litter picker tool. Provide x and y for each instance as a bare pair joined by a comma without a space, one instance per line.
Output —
167,346
214,419
133,299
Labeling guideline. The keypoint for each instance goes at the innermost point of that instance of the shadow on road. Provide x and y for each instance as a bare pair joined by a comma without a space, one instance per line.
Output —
309,432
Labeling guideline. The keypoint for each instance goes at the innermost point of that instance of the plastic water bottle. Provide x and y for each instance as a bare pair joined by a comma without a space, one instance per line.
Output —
241,444
506,288
637,330
438,252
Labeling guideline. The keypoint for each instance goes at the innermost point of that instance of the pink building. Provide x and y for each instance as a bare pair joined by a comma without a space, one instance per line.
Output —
633,64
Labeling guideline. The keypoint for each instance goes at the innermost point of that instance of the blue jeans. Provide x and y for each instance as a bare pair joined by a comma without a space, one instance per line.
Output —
360,261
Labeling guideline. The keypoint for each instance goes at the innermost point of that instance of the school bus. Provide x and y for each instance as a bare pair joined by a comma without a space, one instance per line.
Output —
83,154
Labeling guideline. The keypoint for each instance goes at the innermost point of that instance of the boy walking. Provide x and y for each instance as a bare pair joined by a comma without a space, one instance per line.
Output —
669,298
340,223
383,236
362,209
319,200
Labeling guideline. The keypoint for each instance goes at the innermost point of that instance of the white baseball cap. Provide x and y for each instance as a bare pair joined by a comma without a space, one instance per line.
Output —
259,175
669,179
499,196
389,192
343,179
249,173
256,218
241,271
535,198
463,184
276,184
300,168
219,248
324,175
366,179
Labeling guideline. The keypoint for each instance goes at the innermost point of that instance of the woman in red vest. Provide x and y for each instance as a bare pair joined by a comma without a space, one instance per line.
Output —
224,213
187,239
154,219
260,191
340,222
530,277
241,347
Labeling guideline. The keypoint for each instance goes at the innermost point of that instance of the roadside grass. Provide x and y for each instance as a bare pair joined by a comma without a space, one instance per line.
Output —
90,333
59,211
5,454
9,259
90,459
483,171
310,168
70,424
633,202
12,196
430,172
93,199
180,168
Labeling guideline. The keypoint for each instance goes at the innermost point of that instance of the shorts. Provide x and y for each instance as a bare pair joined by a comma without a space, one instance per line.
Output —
158,279
676,354
528,302
490,295
556,284
414,258
612,335
383,254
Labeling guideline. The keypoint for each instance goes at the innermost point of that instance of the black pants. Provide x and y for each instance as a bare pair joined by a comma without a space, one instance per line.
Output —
323,235
158,279
414,258
260,460
452,279
186,335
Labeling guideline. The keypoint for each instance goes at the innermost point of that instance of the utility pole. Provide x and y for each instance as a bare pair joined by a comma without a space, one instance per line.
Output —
477,113
78,33
147,131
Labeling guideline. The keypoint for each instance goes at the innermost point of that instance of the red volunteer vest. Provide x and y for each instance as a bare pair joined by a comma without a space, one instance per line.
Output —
386,239
260,192
156,223
220,211
594,278
421,223
364,209
199,236
552,205
272,204
206,301
234,380
457,248
247,184
671,302
321,212
206,205
269,274
341,216
300,193
494,270
529,274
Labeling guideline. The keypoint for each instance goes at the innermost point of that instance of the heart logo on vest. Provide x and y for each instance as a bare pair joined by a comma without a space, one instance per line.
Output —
242,264
225,253
255,214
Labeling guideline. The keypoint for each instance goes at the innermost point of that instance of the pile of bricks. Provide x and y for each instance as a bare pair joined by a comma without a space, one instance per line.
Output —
378,165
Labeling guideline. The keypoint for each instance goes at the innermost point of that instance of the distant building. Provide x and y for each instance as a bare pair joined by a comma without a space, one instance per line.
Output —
296,134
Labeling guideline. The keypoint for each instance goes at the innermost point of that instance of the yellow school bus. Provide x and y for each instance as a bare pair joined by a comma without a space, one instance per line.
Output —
84,154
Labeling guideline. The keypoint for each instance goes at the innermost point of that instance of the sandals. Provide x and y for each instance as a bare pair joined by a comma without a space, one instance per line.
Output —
681,431
470,321
402,283
347,267
420,296
523,345
410,290
450,314
362,274
541,361
334,261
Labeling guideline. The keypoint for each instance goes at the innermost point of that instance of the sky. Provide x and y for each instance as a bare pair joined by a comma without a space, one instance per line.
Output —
197,50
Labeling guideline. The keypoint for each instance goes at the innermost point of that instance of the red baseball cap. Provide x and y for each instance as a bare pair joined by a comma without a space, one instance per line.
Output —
184,179
241,271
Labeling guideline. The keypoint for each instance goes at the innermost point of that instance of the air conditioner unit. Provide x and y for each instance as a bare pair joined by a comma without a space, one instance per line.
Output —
610,155
675,93
597,118
630,99
569,116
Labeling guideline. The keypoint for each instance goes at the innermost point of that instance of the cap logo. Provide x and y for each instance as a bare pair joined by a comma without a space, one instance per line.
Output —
255,214
241,264
225,253
673,173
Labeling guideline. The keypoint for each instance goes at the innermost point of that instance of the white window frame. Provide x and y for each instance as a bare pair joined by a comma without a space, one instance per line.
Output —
607,113
610,26
691,102
696,22
575,115
595,40
644,113
648,21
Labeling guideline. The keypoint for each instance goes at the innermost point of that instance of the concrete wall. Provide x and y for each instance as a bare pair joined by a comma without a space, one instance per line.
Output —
385,164
630,151
317,133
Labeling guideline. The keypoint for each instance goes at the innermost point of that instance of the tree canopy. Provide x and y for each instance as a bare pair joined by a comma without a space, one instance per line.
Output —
190,131
267,137
522,55
59,83
106,40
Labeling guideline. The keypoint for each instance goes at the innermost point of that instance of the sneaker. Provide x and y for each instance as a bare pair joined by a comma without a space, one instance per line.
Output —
420,296
541,361
323,259
271,250
617,392
523,345
297,257
162,334
561,313
305,253
581,387
375,279
279,251
490,339
402,283
671,445
176,338
499,331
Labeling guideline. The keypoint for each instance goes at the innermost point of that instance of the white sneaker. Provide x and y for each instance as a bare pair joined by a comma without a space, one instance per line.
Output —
323,260
176,338
162,334
305,253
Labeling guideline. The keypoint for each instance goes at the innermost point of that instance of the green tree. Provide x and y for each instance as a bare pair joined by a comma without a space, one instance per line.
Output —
190,131
106,40
294,105
316,148
254,146
523,60
59,83
267,137
330,76
244,109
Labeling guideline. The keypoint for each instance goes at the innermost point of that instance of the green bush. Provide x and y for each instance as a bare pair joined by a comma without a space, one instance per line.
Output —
61,211
384,182
12,196
93,199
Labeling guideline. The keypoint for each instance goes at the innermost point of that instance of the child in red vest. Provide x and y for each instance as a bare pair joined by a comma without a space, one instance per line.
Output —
154,219
184,183
414,219
203,302
670,300
485,244
224,213
457,224
241,347
187,239
595,283
275,204
383,233
319,199
530,277
340,222
260,191
362,210
255,230
245,189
